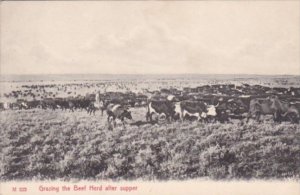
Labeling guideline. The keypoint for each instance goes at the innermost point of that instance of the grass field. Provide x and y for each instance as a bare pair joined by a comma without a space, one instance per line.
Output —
39,144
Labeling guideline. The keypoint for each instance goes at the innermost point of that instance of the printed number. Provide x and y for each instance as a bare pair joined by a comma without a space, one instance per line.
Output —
23,189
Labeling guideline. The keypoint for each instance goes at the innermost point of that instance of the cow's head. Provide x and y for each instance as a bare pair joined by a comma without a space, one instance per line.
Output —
127,114
172,98
211,110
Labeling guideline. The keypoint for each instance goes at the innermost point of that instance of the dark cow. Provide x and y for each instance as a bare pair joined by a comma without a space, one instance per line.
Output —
117,111
280,90
83,103
294,91
233,108
60,103
165,107
65,103
71,104
48,103
33,104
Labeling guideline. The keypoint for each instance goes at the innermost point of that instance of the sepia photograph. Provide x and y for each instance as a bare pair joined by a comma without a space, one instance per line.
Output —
143,97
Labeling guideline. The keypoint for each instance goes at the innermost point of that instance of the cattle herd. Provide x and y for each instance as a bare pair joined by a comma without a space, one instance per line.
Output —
220,102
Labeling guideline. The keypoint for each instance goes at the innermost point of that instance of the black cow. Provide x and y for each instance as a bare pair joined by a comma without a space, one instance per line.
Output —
48,103
83,103
234,108
33,104
167,108
294,91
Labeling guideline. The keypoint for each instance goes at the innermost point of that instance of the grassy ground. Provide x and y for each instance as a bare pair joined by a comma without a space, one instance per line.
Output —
38,144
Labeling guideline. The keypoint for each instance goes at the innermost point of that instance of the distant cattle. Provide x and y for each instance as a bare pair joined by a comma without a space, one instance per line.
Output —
33,104
221,102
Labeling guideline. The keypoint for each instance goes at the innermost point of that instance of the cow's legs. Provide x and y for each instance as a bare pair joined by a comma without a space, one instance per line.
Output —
110,125
276,117
150,116
248,117
147,116
257,116
123,122
169,118
205,120
181,118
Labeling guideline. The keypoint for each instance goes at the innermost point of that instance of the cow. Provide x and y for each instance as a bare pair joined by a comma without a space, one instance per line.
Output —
191,109
15,106
117,111
64,103
272,106
259,106
211,111
280,90
33,104
6,106
162,107
285,110
49,103
234,107
83,103
71,104
294,91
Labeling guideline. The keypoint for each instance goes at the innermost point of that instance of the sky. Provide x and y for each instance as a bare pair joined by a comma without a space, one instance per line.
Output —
150,37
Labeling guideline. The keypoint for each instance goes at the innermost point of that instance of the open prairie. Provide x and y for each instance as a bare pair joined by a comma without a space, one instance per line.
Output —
63,144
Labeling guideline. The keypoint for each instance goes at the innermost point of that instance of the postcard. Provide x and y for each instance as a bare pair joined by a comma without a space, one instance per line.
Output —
150,97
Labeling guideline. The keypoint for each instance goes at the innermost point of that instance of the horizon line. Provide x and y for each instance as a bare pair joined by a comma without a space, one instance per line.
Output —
252,74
